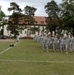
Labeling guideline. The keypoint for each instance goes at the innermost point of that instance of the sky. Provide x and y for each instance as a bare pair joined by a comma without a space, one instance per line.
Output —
39,4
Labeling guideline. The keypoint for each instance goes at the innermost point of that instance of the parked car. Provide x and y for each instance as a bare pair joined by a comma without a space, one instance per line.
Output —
3,36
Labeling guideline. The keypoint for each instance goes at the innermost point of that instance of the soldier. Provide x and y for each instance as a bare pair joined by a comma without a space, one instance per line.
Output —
62,46
17,38
54,43
58,42
43,41
47,43
37,38
71,44
34,38
40,40
66,42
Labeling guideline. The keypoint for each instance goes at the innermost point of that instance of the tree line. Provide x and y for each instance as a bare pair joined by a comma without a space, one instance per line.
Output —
60,16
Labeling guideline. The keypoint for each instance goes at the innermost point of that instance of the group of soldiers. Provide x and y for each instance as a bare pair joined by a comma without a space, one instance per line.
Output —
56,42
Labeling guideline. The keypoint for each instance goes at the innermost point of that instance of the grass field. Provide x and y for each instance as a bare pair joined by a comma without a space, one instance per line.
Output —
28,58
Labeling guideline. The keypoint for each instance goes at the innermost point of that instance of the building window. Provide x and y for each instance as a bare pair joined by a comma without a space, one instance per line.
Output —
42,21
25,32
36,21
20,32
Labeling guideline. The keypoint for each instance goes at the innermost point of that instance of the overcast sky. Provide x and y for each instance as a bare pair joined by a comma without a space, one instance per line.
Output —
39,4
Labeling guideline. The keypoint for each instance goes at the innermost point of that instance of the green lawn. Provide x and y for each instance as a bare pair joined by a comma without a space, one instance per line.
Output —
28,58
4,44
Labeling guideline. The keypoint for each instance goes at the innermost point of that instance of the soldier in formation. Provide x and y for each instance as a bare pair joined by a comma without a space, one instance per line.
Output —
64,44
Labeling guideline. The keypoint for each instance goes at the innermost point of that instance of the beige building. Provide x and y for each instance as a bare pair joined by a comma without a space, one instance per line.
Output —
30,30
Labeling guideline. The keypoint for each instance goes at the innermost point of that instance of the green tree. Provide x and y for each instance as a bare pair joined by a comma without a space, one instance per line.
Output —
68,15
14,25
17,16
2,14
14,7
52,9
29,10
2,22
14,18
29,20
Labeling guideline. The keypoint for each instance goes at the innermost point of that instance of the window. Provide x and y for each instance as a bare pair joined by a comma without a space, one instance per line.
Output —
36,21
25,32
20,32
42,21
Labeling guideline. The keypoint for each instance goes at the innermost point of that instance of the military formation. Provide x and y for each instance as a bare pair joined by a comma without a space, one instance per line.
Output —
54,43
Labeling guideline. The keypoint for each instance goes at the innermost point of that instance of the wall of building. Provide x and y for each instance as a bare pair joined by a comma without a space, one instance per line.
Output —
6,32
26,32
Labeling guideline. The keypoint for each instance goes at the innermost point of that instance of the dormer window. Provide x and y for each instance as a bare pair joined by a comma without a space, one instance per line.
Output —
42,21
36,21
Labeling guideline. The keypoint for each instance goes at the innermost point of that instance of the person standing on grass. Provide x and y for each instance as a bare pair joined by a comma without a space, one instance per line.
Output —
54,42
62,45
71,44
43,41
67,40
17,38
48,42
34,38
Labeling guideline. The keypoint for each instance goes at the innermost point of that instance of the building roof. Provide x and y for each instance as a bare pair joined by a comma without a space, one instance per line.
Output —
39,20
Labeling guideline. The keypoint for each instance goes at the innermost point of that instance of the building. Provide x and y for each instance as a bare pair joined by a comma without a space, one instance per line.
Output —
30,30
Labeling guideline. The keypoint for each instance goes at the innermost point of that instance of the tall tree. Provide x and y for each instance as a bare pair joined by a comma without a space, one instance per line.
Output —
52,9
68,15
14,7
14,18
14,25
17,16
2,21
29,20
29,10
2,14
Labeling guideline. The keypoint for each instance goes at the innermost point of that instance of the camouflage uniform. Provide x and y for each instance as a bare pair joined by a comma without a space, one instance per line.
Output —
54,43
66,44
62,45
71,44
47,43
43,42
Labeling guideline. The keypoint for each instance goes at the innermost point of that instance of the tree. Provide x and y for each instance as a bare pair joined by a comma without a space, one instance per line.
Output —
29,20
17,16
14,7
29,10
68,15
52,9
13,24
2,14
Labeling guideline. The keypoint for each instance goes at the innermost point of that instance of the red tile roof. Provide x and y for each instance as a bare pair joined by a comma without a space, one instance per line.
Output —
39,20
